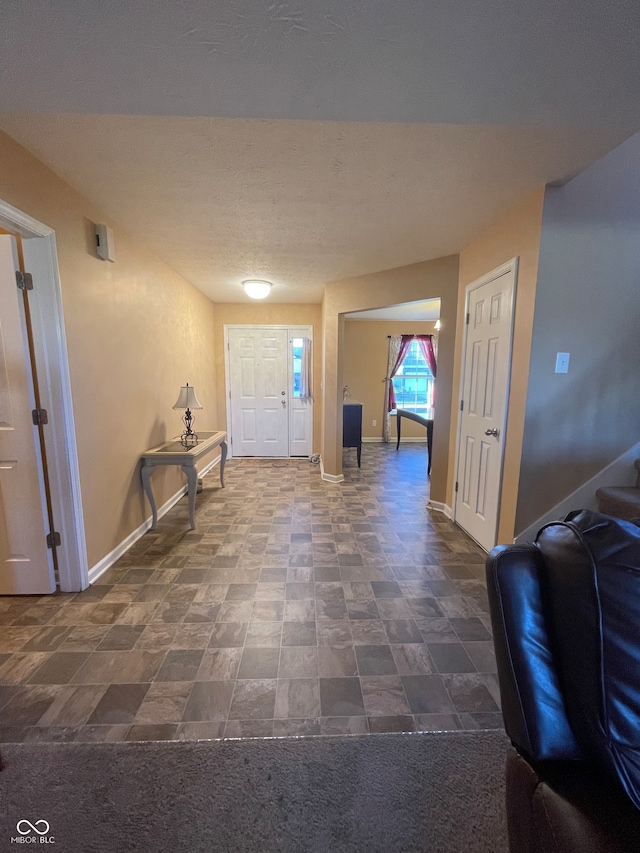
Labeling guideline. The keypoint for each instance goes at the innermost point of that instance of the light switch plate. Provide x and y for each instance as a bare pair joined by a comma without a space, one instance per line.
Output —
562,362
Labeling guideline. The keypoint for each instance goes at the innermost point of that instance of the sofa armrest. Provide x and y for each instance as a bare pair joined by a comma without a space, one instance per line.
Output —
532,705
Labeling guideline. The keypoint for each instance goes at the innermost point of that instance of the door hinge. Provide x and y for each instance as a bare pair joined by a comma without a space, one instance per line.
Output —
39,417
24,280
462,405
468,318
53,540
456,488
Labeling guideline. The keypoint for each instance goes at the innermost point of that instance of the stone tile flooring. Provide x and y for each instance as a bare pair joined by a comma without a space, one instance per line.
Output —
295,607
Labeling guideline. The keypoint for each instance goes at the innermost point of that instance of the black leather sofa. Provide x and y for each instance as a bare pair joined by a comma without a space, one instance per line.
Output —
566,622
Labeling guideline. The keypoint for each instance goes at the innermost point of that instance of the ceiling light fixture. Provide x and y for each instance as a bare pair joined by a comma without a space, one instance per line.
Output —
256,288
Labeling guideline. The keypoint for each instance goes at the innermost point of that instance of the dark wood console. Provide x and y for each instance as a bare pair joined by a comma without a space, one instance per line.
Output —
352,426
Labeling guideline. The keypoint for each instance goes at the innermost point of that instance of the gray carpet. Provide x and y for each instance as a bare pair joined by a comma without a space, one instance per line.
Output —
436,792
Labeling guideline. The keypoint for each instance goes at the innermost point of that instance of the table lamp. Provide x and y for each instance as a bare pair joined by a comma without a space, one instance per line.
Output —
187,400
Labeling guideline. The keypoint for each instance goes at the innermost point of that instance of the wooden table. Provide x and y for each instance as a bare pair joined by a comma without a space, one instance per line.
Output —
175,453
427,422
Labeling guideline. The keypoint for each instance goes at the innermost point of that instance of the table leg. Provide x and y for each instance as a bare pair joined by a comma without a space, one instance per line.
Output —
398,422
223,459
359,452
192,485
145,474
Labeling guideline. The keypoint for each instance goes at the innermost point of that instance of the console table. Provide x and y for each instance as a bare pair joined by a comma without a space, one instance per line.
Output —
427,422
175,453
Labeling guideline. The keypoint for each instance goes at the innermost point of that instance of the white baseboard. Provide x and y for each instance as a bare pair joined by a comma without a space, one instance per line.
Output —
440,507
113,556
620,472
372,439
208,467
330,478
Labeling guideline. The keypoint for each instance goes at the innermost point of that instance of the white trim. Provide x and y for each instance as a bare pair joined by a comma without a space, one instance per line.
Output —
441,507
52,358
508,267
113,556
208,467
330,478
620,472
372,440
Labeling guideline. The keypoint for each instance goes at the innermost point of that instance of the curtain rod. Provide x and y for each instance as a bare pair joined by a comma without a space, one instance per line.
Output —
413,336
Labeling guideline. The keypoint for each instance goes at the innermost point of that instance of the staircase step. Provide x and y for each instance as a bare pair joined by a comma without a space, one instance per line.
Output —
619,501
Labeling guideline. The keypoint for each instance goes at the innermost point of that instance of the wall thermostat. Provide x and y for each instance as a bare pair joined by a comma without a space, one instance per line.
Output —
105,246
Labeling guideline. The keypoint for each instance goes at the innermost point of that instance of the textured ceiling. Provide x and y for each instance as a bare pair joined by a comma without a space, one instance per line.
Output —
307,142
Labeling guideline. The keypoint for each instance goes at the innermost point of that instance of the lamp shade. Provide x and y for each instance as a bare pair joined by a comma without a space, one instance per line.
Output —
256,288
187,398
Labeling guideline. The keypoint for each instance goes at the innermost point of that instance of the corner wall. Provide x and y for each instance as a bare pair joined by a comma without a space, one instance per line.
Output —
587,304
136,331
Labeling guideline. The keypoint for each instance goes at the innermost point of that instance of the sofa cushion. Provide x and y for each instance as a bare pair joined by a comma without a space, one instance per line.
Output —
592,581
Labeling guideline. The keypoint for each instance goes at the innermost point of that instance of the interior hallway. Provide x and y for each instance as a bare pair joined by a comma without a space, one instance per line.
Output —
295,607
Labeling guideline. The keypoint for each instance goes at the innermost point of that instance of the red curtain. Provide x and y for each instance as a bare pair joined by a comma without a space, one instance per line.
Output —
426,345
404,348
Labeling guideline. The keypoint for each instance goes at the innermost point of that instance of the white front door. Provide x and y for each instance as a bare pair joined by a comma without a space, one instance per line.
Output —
259,396
485,387
26,566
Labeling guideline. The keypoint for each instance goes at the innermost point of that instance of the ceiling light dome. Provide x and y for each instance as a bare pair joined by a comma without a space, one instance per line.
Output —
256,288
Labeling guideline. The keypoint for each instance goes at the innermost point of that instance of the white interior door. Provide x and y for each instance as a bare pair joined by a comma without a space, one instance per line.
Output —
259,391
484,403
26,566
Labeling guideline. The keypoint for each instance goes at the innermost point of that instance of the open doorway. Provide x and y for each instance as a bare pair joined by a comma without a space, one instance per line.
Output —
366,368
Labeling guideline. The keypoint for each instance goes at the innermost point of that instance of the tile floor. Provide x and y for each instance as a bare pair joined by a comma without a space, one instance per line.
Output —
295,607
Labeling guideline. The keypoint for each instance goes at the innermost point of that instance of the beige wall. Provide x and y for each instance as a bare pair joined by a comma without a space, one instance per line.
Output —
136,331
427,280
264,314
366,350
515,235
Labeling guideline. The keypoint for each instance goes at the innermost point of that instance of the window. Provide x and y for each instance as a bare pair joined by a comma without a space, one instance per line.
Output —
296,347
413,383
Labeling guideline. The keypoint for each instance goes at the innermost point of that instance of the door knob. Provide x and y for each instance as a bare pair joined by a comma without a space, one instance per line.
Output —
493,431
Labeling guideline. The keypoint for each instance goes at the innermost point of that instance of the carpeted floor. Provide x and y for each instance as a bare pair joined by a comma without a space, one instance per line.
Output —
438,792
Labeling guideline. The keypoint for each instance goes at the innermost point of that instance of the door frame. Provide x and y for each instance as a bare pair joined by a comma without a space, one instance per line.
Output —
307,331
45,300
508,267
